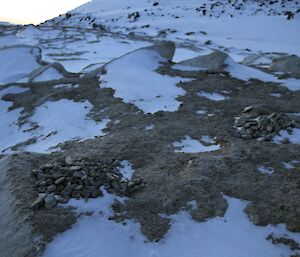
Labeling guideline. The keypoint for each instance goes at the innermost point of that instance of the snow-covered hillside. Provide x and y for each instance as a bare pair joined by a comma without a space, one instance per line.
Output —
153,128
255,25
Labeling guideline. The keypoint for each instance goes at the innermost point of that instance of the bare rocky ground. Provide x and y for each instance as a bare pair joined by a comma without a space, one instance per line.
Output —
170,179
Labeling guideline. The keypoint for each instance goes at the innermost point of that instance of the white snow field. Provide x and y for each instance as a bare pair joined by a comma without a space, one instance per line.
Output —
74,49
135,79
274,33
228,236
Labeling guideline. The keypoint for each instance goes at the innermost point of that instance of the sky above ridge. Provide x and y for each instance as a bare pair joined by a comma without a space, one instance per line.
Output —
35,11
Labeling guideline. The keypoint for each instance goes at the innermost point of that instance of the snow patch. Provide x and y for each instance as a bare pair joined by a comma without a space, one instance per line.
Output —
290,165
201,112
149,127
52,123
265,170
135,80
293,137
126,170
189,145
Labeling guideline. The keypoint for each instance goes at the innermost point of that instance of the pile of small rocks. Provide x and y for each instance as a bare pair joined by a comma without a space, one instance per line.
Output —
264,127
60,181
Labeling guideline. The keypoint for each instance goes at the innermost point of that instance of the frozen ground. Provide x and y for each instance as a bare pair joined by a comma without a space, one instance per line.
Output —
101,81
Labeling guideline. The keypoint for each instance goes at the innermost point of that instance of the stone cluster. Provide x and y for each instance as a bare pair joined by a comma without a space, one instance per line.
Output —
59,182
264,127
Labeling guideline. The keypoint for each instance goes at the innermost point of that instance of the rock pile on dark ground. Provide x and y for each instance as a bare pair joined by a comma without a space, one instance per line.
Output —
59,182
265,127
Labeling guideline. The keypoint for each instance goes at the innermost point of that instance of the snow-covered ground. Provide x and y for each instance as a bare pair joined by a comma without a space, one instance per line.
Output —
184,20
228,236
130,67
58,122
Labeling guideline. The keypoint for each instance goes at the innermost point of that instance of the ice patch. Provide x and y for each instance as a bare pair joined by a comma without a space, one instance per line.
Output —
212,96
189,145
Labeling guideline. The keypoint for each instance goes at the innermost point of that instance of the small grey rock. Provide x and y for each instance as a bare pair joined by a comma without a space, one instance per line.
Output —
78,174
36,172
51,188
69,160
38,202
67,191
50,201
59,180
42,183
75,168
248,109
96,194
57,174
47,166
76,194
42,189
61,199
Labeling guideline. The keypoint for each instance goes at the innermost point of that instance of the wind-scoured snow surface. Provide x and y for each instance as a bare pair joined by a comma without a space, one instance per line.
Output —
16,63
228,236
